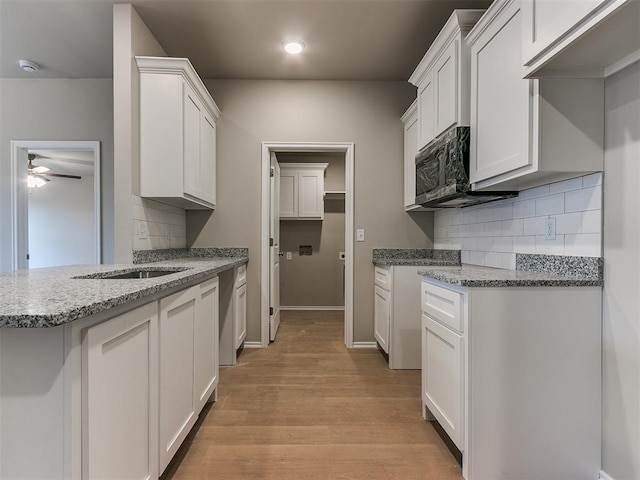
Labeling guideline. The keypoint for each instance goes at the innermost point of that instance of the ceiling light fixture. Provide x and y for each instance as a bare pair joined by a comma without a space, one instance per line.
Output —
293,47
28,66
35,182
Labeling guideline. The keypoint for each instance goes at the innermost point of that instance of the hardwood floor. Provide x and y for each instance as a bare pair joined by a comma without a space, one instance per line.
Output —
308,408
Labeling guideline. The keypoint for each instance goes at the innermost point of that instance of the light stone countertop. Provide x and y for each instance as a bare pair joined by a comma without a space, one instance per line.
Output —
47,297
476,276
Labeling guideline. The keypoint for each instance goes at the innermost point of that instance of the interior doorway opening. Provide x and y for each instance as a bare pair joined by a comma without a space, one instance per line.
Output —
339,189
56,209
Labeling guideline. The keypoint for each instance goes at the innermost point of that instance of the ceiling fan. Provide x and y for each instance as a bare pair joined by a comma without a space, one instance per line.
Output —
37,175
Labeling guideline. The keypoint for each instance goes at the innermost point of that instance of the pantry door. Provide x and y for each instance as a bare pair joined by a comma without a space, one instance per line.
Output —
274,249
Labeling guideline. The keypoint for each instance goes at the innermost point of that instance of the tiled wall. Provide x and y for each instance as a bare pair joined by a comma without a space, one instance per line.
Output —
167,225
492,234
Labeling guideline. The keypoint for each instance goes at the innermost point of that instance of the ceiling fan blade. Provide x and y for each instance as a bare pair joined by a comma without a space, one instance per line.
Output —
62,175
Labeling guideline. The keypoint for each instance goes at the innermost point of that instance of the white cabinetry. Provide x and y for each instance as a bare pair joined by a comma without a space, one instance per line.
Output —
177,402
177,134
302,191
206,346
410,121
517,388
397,314
526,133
240,306
593,38
442,78
120,381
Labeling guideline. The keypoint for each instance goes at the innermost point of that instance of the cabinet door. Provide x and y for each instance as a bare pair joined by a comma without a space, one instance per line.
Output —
500,99
288,193
445,74
240,315
176,393
410,150
207,159
191,131
426,115
442,377
206,354
120,374
310,194
381,317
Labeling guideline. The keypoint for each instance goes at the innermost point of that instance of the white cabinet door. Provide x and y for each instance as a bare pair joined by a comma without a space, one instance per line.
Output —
177,402
240,315
206,358
426,106
500,99
446,81
208,159
410,120
381,317
442,377
288,193
191,142
311,193
120,375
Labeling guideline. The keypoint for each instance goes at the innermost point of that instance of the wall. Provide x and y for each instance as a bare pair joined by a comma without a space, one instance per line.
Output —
61,223
131,37
621,309
56,109
166,225
492,234
316,280
366,113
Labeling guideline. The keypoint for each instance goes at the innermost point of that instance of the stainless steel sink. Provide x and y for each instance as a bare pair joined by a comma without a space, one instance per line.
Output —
133,274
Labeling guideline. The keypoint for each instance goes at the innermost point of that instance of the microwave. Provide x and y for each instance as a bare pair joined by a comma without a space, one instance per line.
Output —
442,173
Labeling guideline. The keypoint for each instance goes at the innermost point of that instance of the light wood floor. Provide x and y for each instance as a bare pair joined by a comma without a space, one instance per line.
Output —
308,408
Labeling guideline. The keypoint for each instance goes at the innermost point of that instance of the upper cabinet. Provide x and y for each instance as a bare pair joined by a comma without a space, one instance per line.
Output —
177,134
526,133
410,121
442,78
588,38
302,191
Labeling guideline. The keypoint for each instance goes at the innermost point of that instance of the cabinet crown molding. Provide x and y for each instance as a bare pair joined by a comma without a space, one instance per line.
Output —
184,68
495,9
412,110
460,22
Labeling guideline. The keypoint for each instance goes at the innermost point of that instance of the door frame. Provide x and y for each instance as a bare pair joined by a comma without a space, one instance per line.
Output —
19,194
349,168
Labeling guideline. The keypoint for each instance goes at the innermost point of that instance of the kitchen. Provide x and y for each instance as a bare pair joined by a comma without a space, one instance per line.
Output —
366,113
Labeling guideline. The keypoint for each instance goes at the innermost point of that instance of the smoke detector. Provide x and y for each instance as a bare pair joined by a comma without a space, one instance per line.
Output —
28,66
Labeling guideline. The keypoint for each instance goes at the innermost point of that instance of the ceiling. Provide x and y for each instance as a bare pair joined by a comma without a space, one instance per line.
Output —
345,39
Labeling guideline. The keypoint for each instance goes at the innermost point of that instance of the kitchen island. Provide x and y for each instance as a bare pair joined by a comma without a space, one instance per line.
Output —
511,365
103,378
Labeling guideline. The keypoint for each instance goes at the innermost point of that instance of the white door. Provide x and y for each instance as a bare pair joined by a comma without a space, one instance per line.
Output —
274,250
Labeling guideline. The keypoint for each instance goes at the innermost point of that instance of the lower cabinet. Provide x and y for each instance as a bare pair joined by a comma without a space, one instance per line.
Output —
240,307
206,342
120,381
381,313
512,374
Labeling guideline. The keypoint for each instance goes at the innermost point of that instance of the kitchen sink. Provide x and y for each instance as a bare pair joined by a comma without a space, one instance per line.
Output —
133,274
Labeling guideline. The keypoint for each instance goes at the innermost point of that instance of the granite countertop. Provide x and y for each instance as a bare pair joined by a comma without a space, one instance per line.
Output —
542,271
415,256
47,297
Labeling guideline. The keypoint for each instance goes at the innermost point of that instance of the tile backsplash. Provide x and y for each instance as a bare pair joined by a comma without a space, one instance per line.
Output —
166,225
492,234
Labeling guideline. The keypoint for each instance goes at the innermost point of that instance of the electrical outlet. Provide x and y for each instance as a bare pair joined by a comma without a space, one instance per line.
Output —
143,231
550,229
289,256
360,235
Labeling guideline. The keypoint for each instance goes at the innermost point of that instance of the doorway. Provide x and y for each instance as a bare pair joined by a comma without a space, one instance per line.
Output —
55,203
346,151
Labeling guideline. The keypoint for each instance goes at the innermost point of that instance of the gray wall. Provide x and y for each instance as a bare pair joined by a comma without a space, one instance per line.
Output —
365,113
621,309
56,109
316,280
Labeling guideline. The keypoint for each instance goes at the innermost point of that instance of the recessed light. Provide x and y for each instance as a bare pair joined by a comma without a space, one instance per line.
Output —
28,66
293,47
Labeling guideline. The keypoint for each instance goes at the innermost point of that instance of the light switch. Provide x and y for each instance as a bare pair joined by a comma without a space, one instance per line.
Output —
289,256
360,235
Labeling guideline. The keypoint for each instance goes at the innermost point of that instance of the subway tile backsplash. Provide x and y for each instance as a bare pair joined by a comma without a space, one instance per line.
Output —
166,225
492,234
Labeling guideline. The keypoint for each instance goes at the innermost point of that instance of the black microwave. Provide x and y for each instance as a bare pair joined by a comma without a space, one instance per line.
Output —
442,173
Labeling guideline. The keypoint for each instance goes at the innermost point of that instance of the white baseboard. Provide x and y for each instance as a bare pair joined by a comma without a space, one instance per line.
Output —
605,476
324,307
252,345
365,345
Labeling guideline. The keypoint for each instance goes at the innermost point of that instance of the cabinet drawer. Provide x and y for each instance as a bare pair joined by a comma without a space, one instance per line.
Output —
443,305
241,275
383,277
